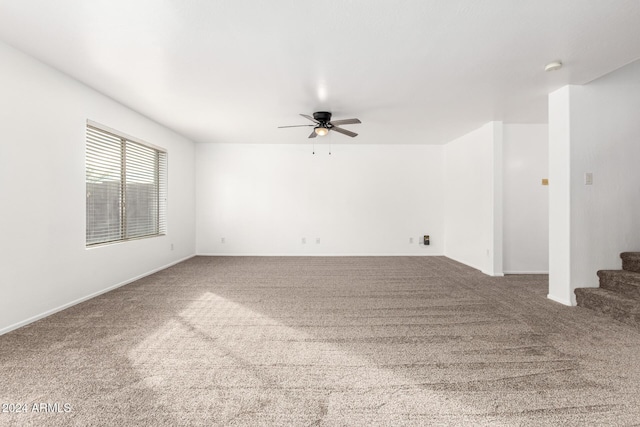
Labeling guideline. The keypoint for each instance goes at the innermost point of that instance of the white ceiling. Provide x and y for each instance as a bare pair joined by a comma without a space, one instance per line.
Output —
414,71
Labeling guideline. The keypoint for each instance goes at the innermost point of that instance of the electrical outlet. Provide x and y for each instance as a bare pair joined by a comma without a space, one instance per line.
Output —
410,239
304,240
222,240
172,246
317,240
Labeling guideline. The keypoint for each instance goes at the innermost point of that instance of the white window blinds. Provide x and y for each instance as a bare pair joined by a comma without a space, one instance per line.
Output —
126,188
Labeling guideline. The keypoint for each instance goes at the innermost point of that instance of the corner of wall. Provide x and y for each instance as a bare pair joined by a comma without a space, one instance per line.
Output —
473,199
498,140
560,196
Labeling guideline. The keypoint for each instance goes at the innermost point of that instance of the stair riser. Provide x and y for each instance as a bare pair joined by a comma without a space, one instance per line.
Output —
601,306
632,264
621,288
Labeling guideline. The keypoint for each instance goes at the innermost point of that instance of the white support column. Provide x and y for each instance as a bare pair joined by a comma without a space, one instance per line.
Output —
497,226
560,197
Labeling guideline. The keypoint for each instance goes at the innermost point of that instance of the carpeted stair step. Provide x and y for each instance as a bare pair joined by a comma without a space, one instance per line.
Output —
626,283
631,261
612,304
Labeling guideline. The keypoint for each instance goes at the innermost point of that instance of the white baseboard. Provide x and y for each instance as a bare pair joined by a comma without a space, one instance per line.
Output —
476,267
311,255
465,263
526,272
85,298
492,274
561,300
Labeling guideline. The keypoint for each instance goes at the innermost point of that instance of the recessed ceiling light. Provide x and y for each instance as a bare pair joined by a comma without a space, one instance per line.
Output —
553,66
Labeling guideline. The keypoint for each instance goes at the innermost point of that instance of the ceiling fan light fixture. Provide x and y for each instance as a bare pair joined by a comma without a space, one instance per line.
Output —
321,131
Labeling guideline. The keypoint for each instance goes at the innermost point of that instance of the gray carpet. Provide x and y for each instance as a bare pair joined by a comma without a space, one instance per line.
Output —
323,341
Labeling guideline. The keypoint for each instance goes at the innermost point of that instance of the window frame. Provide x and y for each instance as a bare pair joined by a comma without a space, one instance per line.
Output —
161,183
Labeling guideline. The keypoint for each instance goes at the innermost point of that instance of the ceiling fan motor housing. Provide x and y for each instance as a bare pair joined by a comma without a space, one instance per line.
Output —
322,116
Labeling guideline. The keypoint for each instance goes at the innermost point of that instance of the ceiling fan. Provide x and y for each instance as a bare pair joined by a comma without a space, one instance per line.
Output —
323,124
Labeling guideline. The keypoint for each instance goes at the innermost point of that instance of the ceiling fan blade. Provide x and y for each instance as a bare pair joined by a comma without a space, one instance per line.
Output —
294,126
345,122
344,131
313,134
310,118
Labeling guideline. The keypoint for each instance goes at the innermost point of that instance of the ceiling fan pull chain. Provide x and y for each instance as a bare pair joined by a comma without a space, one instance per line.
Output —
314,147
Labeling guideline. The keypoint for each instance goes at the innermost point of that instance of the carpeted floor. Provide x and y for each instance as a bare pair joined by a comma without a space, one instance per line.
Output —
306,341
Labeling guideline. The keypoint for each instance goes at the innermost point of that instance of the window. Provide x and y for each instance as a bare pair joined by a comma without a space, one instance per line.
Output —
126,187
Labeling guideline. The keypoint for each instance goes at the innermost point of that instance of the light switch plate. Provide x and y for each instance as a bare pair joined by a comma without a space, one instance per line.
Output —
588,178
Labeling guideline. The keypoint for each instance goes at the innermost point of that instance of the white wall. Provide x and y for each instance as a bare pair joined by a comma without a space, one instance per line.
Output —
362,199
44,264
473,199
526,200
605,216
602,136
